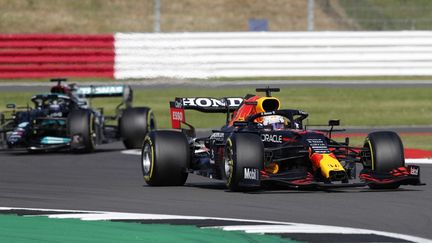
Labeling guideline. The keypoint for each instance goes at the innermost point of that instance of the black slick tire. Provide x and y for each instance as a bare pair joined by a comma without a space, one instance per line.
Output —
81,124
242,150
134,125
386,153
165,158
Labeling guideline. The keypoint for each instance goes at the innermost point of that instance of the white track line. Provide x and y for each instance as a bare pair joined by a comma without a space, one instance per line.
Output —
419,161
276,227
132,152
316,229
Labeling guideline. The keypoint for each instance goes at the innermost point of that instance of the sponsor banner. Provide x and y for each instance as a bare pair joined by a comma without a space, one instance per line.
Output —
251,174
54,140
177,117
208,104
271,138
101,91
177,113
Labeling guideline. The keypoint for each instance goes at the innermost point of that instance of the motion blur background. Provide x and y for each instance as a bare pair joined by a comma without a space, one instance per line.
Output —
301,24
108,16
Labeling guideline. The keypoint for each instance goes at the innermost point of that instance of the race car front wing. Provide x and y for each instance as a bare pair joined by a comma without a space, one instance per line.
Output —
409,175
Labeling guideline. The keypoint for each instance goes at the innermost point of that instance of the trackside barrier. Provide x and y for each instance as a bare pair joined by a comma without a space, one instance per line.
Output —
205,55
56,55
273,54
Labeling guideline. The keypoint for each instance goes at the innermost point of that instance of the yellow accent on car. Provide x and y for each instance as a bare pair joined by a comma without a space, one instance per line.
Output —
272,168
148,177
328,164
265,104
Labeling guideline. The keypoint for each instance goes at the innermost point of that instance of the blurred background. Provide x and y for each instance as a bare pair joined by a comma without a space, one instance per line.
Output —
108,16
301,40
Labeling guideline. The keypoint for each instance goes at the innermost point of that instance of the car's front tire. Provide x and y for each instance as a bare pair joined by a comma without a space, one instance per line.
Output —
386,152
81,126
243,161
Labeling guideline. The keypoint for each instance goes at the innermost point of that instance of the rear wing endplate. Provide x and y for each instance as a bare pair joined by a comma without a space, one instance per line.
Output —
203,104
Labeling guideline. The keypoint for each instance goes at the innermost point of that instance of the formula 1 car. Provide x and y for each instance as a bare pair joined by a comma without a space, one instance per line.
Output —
64,119
249,153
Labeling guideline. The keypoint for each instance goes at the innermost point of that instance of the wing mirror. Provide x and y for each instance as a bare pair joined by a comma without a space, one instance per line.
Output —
334,123
10,106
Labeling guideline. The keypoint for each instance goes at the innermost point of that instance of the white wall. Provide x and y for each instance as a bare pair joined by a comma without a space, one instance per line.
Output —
273,54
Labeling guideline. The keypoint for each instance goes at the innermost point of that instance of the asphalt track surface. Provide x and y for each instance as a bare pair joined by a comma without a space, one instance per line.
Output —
109,180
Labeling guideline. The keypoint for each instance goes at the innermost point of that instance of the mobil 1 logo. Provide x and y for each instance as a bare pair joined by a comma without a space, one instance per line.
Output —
251,174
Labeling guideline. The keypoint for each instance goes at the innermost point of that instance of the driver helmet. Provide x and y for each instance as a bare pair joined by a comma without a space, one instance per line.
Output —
273,122
54,106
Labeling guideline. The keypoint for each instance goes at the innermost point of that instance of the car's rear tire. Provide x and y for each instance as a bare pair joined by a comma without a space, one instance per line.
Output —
386,153
243,150
81,123
165,158
134,125
2,133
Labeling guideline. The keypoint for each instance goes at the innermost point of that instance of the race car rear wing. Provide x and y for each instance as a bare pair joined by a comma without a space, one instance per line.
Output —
94,91
203,104
98,91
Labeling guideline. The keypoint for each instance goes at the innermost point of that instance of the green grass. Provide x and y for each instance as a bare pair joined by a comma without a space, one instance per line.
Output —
85,16
390,14
355,107
19,229
101,16
421,142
